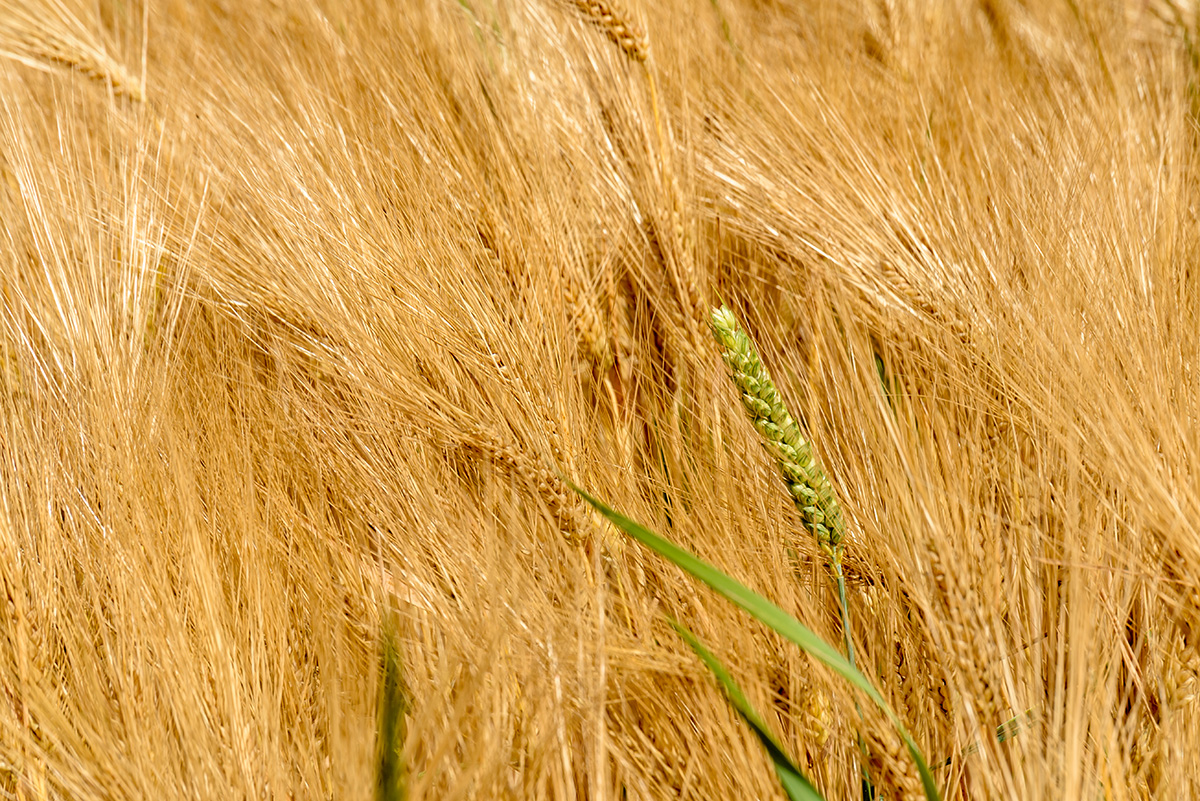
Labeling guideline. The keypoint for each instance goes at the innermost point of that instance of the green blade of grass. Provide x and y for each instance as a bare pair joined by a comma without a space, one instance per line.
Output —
391,775
794,782
770,615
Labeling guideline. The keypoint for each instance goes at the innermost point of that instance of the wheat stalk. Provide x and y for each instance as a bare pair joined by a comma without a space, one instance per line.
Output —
802,473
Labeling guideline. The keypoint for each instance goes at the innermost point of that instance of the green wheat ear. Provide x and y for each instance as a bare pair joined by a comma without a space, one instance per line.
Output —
802,473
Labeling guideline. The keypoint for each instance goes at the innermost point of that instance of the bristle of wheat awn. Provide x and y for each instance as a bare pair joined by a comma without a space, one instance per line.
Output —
617,25
53,48
801,472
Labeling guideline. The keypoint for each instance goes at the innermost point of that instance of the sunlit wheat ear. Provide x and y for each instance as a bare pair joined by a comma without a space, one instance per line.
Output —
801,472
29,44
617,25
921,302
517,463
593,339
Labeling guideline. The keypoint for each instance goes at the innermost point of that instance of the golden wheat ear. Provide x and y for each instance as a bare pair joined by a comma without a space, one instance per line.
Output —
37,45
616,23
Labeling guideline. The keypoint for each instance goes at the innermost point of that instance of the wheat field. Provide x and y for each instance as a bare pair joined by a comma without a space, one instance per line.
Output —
311,309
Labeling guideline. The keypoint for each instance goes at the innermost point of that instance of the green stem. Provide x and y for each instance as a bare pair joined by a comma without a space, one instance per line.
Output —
835,565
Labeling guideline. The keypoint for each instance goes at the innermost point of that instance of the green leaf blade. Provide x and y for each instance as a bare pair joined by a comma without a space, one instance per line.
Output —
770,615
793,780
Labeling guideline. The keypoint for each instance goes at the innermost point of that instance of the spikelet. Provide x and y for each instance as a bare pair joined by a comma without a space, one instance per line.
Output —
818,719
681,264
967,642
514,460
589,324
918,300
27,42
501,248
617,25
1181,672
887,765
805,479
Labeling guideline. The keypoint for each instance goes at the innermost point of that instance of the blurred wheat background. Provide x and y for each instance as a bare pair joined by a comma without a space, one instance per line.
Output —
308,307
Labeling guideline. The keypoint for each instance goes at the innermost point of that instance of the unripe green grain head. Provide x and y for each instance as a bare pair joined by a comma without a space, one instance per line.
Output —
801,472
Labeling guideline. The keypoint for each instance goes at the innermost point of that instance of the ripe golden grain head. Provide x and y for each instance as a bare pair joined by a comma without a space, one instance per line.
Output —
26,39
617,24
